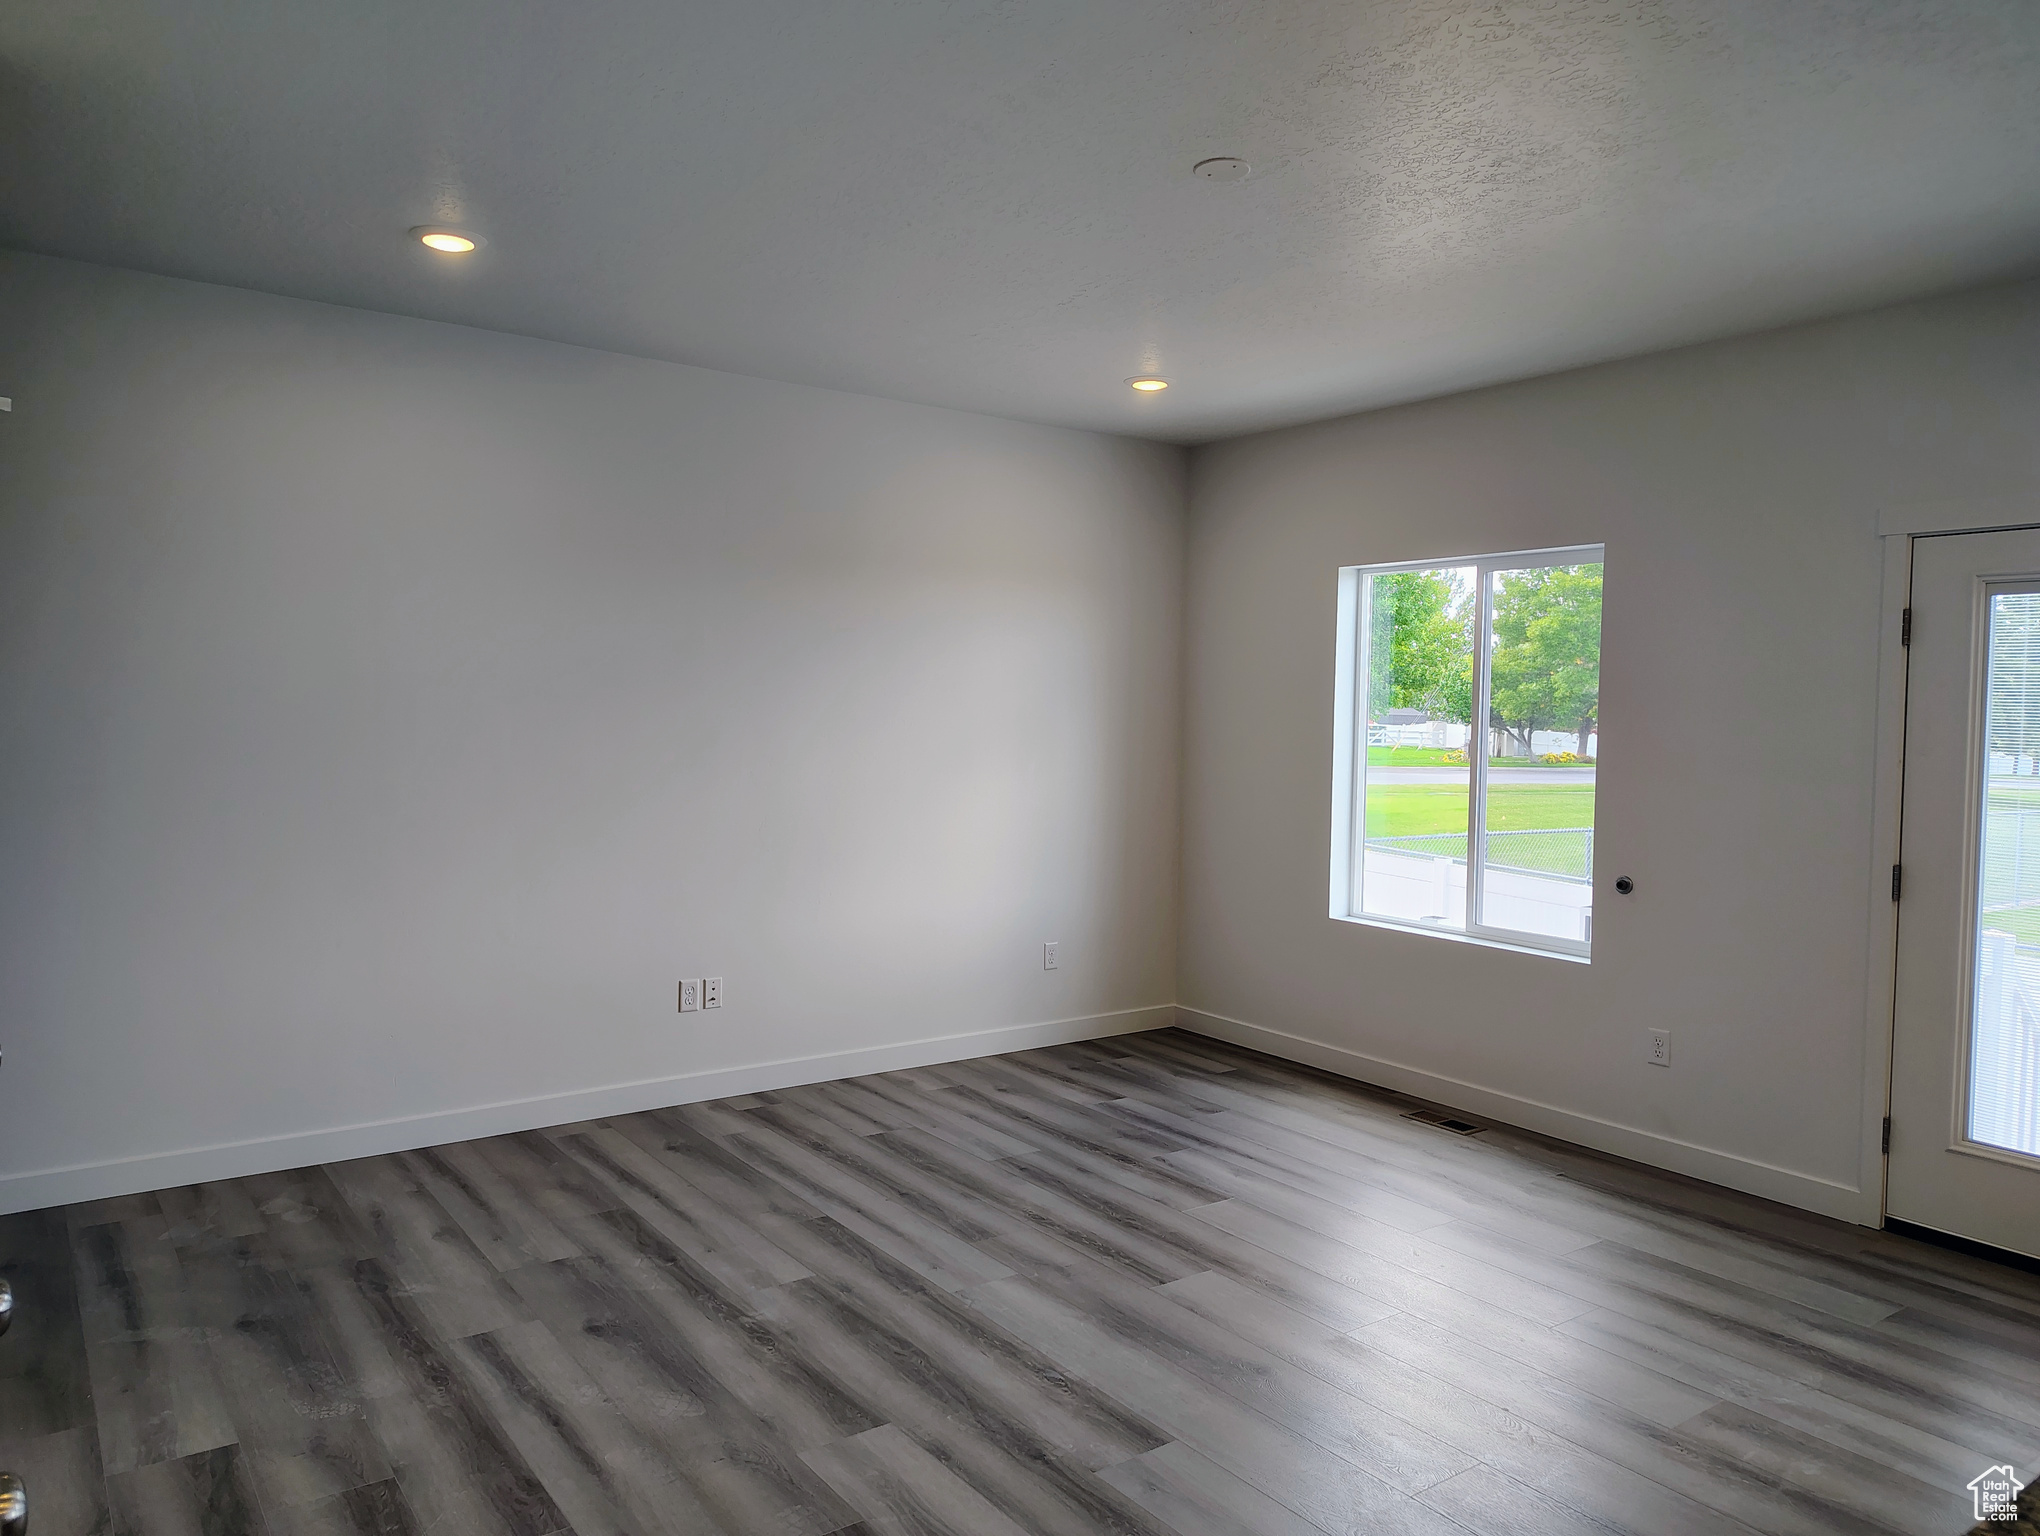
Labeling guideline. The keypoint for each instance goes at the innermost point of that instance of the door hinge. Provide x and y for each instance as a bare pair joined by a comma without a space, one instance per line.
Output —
1887,1135
1894,882
1905,627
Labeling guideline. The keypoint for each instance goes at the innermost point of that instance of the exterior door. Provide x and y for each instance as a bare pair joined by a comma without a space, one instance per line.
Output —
1965,1090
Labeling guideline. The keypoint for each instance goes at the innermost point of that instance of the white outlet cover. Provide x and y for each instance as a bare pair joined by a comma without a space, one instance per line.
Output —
1049,959
690,995
711,992
1657,1048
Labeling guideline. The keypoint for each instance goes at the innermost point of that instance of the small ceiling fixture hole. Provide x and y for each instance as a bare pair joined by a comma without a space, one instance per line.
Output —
1221,168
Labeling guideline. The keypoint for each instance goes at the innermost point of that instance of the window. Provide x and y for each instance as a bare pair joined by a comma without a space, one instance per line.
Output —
2004,1036
1484,831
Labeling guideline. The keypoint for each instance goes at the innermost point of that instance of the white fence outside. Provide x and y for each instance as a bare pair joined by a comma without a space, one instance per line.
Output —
1450,733
1432,733
2004,1098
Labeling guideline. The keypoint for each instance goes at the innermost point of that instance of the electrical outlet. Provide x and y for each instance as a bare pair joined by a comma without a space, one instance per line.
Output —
711,992
1660,1048
690,995
1049,961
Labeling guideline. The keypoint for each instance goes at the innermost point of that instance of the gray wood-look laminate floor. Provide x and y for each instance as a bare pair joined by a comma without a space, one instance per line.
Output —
1145,1285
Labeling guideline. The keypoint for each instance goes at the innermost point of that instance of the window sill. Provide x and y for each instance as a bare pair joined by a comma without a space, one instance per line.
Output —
1460,936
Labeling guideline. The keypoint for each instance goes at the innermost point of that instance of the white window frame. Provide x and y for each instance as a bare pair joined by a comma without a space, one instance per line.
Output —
1973,851
1349,754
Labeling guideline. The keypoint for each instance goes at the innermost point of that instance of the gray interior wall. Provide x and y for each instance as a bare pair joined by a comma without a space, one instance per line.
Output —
394,712
1737,487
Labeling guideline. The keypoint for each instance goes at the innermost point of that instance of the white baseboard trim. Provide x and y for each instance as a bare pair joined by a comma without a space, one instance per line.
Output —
271,1154
1807,1191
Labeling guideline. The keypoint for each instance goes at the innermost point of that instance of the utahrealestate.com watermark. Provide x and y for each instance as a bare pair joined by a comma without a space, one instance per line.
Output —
1996,1492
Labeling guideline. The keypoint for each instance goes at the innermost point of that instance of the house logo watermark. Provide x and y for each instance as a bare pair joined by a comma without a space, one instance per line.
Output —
1996,1491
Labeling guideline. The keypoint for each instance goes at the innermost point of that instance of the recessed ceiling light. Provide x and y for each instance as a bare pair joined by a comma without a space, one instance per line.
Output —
1148,384
448,242
1221,168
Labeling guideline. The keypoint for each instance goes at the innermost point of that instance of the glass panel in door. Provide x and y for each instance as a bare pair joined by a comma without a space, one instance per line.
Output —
2004,1035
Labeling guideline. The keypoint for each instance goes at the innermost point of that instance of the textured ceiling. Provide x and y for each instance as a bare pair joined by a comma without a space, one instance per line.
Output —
988,203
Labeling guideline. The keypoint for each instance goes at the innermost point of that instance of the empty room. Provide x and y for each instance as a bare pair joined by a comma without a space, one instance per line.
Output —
783,769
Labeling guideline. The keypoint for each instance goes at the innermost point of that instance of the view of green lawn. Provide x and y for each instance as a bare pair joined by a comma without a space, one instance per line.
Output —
1409,810
1446,757
1414,757
2022,923
1531,662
